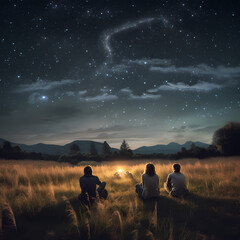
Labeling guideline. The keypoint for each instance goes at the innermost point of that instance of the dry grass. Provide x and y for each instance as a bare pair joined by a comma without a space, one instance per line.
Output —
35,190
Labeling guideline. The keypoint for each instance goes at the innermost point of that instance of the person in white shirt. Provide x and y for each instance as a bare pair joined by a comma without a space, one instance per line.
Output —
175,183
149,188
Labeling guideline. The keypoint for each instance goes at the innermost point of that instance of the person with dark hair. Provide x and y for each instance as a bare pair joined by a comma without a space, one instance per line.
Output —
175,183
149,188
88,184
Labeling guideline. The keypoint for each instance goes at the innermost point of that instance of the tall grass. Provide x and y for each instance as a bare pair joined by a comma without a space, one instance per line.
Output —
48,191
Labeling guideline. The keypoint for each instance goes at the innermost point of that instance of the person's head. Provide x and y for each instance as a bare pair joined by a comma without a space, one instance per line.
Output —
150,169
176,167
87,170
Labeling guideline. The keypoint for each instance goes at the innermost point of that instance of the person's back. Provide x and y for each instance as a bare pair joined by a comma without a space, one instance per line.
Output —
150,186
88,184
176,182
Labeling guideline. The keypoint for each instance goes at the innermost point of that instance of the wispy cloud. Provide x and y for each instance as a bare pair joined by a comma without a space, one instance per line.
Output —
142,62
201,69
42,85
83,92
106,136
99,98
198,87
115,128
151,62
118,68
145,96
193,128
178,130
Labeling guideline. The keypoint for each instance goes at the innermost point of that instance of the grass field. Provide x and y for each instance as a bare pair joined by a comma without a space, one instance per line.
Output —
43,198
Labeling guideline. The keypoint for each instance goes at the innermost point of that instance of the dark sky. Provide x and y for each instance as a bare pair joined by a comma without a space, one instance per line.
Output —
151,72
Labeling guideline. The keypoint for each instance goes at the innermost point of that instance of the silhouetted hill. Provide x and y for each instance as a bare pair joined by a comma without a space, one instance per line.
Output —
52,149
84,146
169,148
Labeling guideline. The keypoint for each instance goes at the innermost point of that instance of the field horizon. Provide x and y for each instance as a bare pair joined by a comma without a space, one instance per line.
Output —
42,196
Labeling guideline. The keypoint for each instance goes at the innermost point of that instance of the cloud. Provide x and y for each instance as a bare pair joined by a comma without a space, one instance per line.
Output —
151,62
145,96
118,68
115,128
81,93
42,85
198,87
178,130
206,129
99,98
106,136
193,128
201,69
128,63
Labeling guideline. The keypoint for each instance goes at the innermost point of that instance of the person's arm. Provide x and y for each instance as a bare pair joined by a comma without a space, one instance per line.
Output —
142,182
169,183
98,182
82,186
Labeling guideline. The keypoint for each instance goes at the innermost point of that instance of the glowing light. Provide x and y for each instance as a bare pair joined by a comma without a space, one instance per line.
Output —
43,98
120,170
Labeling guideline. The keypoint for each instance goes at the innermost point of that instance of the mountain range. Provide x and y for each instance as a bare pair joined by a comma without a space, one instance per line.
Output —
84,146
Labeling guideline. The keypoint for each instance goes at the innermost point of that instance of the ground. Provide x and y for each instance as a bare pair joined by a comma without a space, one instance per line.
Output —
42,197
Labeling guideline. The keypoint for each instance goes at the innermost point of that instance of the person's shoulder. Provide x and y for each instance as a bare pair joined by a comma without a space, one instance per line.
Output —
96,177
144,175
82,177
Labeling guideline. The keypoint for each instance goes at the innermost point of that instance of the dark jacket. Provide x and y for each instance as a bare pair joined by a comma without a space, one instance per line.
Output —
88,184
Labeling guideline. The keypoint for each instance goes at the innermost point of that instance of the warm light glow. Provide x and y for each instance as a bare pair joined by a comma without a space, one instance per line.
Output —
120,170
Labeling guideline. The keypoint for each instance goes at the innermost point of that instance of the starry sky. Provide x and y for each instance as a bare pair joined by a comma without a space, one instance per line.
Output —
149,71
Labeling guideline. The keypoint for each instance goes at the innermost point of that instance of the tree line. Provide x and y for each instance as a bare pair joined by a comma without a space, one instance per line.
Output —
226,142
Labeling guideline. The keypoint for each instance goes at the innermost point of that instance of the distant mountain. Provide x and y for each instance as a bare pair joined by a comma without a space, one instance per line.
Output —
84,146
169,148
52,149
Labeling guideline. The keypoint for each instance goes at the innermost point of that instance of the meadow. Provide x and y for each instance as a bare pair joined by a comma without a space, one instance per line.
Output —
39,201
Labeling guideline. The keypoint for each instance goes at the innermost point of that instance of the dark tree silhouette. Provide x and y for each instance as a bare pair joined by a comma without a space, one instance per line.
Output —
227,139
125,150
93,150
7,147
106,149
74,149
17,149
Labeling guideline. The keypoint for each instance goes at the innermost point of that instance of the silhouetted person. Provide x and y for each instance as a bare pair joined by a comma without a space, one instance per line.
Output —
149,188
88,184
175,183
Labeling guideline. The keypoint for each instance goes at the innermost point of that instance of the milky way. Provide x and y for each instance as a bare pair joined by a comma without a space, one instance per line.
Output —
150,72
106,38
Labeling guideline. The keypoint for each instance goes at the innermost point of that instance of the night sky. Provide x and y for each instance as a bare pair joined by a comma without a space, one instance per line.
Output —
150,72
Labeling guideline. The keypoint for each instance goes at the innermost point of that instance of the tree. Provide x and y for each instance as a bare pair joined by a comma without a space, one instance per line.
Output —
93,150
227,139
74,149
106,149
125,150
17,149
7,147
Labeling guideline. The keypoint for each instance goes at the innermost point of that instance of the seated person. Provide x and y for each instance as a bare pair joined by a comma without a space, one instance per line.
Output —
149,188
88,184
175,183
